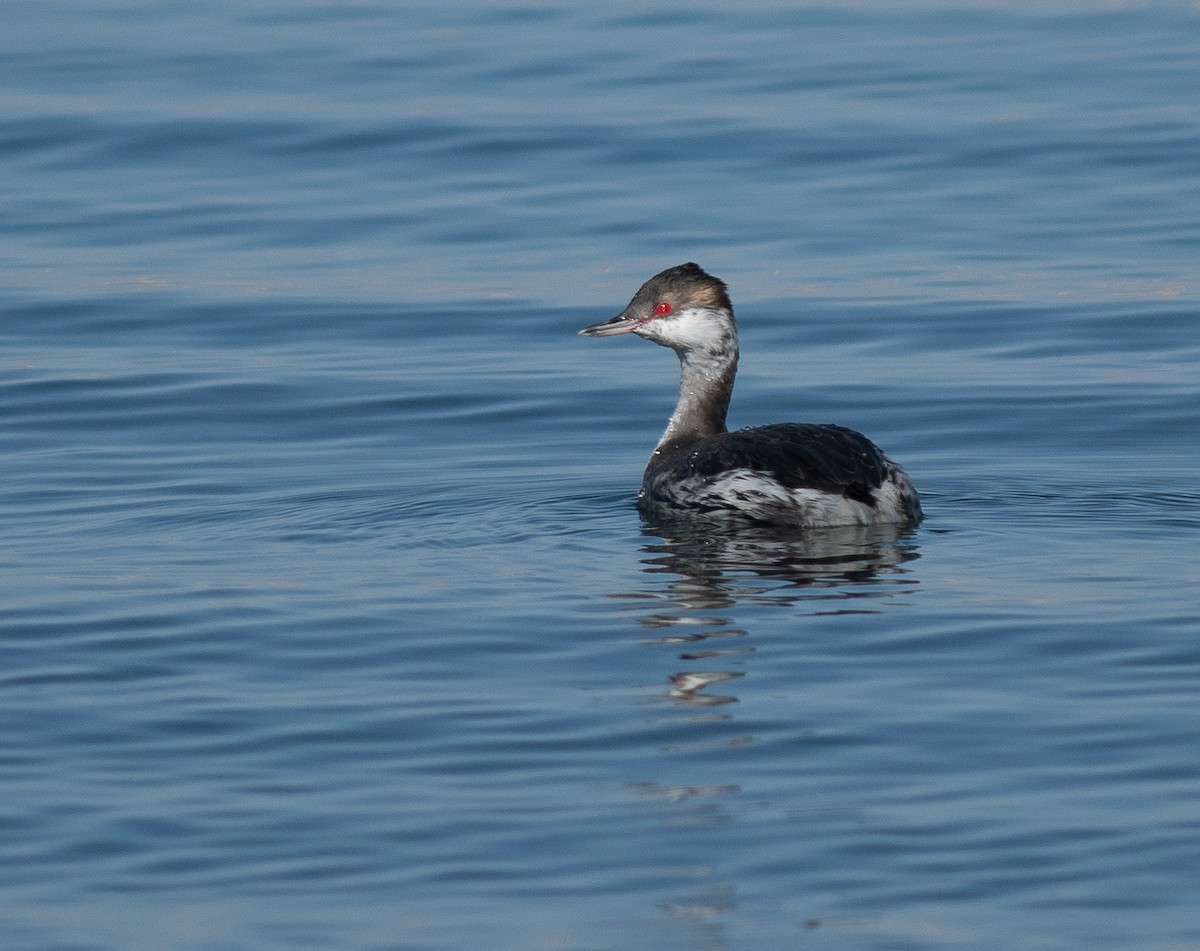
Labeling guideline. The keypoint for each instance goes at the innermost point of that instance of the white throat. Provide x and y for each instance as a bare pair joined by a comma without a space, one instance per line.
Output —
707,345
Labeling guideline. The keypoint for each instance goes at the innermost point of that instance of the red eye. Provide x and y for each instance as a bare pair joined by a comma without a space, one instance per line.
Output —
662,308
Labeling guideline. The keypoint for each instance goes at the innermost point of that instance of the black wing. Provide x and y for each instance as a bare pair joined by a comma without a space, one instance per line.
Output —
800,455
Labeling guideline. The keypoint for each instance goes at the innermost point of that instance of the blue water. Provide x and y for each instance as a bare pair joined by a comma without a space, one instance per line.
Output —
327,617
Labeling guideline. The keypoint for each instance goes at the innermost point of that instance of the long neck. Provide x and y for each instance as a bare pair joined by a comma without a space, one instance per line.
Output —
705,385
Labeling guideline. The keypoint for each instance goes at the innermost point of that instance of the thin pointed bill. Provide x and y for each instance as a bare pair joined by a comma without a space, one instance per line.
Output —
610,328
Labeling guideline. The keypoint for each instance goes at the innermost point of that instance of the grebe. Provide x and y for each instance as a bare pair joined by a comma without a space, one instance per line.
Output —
793,474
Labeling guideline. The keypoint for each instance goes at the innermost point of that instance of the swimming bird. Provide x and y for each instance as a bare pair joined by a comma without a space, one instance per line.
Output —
788,474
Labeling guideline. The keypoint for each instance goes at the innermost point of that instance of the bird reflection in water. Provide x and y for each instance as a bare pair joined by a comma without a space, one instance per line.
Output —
821,569
697,583
716,569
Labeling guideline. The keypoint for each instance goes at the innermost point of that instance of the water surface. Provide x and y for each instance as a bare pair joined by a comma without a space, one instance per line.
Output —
328,617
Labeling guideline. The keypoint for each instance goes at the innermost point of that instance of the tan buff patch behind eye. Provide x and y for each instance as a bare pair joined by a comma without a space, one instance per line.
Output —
706,295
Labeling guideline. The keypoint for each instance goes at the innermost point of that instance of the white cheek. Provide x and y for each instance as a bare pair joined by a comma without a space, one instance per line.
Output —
693,329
